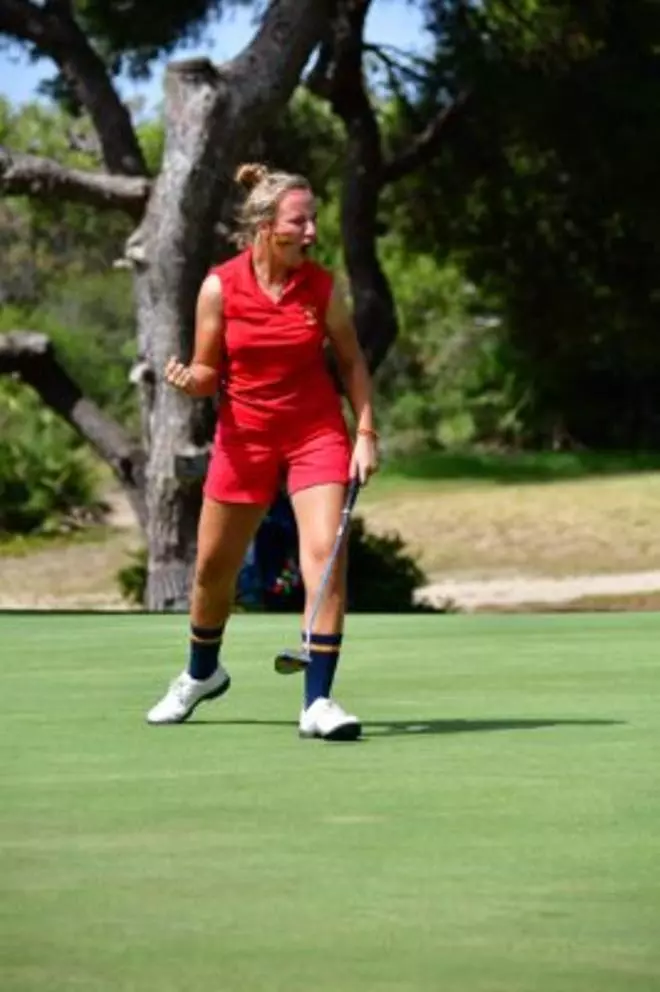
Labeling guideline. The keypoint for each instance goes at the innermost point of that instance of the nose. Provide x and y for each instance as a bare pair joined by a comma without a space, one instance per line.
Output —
310,232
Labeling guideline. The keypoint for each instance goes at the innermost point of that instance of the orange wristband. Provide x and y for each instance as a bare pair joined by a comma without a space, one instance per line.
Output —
367,432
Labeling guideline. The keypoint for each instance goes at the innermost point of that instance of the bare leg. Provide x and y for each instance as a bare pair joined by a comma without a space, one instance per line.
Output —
318,514
224,533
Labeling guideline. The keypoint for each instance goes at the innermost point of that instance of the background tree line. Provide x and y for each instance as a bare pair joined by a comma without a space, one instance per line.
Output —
491,207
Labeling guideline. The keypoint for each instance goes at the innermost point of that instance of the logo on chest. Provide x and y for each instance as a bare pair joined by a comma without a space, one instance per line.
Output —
310,315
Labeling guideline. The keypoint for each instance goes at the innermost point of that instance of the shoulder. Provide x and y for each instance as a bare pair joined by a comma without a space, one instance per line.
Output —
228,272
221,280
211,290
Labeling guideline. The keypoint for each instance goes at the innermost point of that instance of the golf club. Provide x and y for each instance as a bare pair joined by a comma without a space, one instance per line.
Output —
288,662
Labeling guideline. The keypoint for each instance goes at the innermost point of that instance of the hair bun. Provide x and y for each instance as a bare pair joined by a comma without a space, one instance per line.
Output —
250,174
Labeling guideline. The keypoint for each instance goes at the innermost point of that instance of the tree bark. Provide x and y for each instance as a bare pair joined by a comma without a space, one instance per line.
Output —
212,114
33,175
338,76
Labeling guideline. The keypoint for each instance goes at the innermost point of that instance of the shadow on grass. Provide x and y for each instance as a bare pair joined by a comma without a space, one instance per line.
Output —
418,728
389,728
516,467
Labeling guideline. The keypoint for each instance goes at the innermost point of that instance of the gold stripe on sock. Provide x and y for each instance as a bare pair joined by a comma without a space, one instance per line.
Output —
205,640
324,648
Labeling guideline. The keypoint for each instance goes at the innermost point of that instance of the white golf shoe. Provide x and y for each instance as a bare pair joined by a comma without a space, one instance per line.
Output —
326,719
185,693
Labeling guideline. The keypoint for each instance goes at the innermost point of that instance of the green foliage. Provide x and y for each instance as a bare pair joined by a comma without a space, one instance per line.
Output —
47,242
307,137
382,576
45,479
443,382
513,467
546,188
91,322
523,258
329,249
151,136
132,578
57,275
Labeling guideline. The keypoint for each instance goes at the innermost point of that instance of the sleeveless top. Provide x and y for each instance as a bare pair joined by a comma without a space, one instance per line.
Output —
274,376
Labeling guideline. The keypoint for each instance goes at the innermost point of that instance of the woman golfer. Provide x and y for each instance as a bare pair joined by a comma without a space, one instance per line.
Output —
261,324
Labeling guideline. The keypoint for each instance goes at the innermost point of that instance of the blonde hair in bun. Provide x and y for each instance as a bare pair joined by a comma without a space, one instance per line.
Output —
250,174
264,191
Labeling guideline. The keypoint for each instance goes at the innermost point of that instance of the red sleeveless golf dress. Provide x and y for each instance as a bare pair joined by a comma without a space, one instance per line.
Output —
280,419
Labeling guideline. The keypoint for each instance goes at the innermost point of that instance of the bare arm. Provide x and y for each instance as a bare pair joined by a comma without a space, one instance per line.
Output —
350,361
200,378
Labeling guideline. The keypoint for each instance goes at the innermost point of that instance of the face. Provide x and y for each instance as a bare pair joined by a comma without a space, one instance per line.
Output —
293,232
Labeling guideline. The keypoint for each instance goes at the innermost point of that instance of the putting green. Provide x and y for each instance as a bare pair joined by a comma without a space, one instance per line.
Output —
497,829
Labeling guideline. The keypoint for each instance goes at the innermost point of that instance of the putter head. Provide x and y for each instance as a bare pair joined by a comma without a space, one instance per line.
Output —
290,662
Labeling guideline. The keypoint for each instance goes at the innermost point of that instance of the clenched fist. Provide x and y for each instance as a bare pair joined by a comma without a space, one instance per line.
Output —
180,376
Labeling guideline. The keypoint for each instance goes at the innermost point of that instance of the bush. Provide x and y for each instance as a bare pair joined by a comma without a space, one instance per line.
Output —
132,578
46,480
382,578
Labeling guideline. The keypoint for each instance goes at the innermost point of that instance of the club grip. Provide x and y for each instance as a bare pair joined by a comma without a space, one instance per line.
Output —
352,494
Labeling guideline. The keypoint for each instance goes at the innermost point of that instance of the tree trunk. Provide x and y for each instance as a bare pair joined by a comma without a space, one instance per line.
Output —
212,115
338,77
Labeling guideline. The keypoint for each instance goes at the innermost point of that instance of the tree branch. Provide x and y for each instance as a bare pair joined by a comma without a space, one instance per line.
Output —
425,144
54,32
32,357
319,78
387,54
281,47
32,175
338,76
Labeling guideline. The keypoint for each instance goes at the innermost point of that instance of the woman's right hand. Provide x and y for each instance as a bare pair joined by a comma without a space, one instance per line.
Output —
180,376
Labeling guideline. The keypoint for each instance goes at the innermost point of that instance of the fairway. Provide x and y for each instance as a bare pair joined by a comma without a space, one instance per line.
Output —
496,829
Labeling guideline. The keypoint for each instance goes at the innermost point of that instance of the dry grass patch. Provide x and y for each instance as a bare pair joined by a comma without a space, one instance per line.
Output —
648,602
462,528
74,576
603,524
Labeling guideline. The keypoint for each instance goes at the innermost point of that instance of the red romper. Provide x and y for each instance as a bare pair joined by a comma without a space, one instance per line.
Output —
280,417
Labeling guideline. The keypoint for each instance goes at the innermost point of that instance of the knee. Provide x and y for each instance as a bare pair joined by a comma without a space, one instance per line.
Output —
317,550
211,570
315,555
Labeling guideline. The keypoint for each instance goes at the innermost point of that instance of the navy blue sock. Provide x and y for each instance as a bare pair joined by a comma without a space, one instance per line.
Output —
204,651
320,673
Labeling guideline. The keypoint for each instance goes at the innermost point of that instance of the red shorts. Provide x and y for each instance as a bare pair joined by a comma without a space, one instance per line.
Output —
250,468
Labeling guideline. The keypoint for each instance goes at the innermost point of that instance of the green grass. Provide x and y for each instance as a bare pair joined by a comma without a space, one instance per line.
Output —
22,545
496,830
512,467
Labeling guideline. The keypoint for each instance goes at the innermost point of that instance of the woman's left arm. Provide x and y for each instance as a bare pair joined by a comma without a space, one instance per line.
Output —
355,376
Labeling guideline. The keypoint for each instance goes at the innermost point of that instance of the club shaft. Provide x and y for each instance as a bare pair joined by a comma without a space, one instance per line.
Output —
349,503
